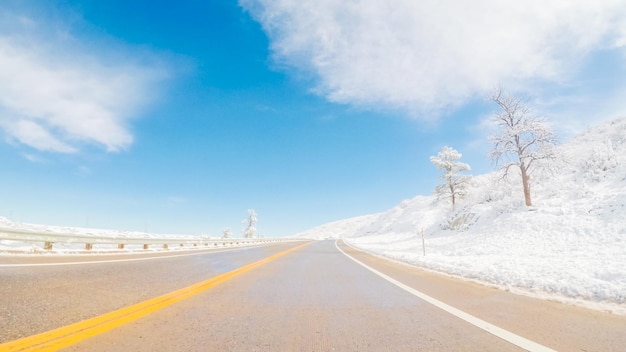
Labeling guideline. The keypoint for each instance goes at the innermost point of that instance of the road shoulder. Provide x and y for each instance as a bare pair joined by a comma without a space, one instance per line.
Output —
549,323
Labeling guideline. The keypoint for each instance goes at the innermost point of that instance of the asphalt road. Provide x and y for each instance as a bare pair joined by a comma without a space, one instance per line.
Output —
36,298
312,299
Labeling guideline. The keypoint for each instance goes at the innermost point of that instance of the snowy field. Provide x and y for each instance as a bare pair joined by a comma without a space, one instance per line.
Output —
570,246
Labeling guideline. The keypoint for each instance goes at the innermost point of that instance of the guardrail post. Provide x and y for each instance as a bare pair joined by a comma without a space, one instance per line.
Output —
120,246
145,246
48,246
182,245
88,246
165,246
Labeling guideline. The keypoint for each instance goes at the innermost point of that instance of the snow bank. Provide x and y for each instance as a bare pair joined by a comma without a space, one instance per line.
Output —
23,247
571,246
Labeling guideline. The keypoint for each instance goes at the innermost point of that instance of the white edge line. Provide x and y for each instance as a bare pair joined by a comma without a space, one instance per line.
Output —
490,328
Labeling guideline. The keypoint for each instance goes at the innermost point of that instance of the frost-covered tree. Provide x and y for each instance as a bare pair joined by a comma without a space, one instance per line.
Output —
455,183
227,233
523,140
250,222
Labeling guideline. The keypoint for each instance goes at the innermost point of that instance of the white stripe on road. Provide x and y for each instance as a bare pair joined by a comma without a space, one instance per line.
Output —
490,328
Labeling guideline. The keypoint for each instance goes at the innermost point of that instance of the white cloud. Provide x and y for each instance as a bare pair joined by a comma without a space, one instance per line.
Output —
32,134
423,57
57,92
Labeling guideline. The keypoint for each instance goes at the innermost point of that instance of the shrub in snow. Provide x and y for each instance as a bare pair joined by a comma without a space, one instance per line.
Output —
603,159
459,221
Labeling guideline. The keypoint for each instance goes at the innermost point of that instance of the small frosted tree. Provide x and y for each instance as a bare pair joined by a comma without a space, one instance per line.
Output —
227,233
455,183
523,141
250,223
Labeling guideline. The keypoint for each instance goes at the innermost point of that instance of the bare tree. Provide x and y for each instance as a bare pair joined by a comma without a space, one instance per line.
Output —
523,140
455,184
250,222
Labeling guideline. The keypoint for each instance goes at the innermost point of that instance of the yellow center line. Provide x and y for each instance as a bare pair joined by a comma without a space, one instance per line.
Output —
56,339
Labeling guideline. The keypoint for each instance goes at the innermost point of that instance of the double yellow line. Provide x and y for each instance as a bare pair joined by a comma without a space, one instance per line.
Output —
71,334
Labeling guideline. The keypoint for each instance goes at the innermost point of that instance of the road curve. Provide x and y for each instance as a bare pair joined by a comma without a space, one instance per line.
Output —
313,299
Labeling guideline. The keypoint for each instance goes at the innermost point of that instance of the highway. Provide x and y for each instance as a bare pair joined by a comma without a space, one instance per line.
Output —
294,296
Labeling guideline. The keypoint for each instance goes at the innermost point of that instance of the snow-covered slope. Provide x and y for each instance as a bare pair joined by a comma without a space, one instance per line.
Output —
338,229
571,246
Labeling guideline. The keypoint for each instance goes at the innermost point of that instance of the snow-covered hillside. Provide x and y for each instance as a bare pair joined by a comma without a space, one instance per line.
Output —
571,246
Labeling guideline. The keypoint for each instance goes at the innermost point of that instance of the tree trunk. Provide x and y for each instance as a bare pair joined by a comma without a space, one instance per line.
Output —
526,184
452,194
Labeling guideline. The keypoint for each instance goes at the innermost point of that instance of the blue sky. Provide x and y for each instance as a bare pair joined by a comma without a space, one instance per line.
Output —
137,115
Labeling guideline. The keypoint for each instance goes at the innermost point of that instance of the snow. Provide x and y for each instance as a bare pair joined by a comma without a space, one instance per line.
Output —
570,246
76,246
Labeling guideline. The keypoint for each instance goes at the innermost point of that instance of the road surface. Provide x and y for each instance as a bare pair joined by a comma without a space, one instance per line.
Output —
312,298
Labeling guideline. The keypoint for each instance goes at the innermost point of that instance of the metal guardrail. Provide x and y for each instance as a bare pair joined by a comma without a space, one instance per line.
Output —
49,238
